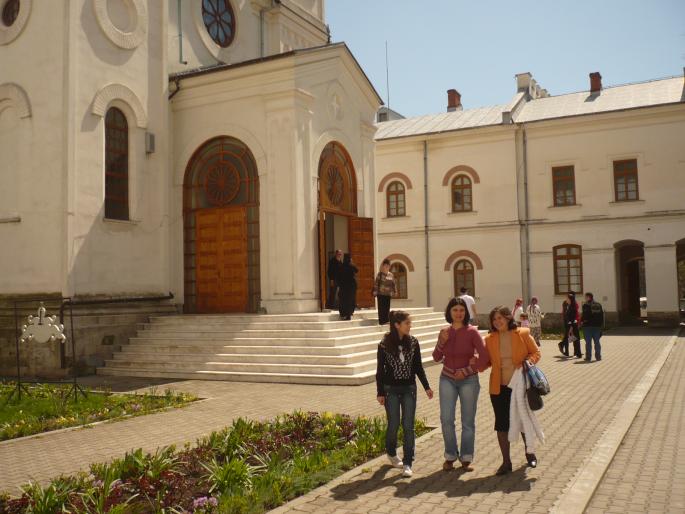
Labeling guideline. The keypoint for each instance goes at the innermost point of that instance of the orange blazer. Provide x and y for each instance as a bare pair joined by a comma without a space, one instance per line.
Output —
523,347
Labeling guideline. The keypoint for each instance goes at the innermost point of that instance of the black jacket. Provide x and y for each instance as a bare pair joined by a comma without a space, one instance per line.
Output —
593,314
346,276
386,372
334,266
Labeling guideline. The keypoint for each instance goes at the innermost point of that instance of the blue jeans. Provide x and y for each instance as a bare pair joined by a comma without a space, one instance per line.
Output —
592,334
467,392
400,398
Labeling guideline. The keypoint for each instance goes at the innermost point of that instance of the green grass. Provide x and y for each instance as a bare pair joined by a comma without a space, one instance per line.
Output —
49,407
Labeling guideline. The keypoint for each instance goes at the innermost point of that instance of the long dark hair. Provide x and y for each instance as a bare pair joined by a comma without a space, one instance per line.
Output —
506,313
454,302
392,339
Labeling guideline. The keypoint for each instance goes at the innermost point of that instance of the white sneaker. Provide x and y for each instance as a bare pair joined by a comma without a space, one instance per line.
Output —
407,471
395,461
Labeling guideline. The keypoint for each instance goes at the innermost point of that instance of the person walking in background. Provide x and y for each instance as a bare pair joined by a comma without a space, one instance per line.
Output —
398,365
347,282
470,302
462,352
571,317
535,316
563,344
332,272
384,288
517,311
592,321
508,346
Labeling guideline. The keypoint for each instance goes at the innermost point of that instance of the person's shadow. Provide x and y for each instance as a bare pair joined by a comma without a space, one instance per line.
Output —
453,484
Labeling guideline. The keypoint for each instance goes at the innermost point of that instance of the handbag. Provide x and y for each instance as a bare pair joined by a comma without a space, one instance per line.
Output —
538,380
532,394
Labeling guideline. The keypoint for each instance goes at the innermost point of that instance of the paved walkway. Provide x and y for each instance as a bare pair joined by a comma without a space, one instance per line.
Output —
584,399
648,471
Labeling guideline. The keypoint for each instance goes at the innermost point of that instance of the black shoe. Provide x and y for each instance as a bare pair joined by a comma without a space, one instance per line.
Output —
532,460
503,469
598,358
588,360
561,349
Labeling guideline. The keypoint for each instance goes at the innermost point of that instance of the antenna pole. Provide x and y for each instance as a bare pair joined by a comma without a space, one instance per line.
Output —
387,75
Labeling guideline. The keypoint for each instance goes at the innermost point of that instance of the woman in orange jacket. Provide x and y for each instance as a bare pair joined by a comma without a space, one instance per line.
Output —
508,346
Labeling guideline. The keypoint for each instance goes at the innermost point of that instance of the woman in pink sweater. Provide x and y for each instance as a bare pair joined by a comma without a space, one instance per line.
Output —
462,352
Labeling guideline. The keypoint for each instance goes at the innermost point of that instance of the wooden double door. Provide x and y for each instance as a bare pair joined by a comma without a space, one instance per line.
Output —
360,244
221,260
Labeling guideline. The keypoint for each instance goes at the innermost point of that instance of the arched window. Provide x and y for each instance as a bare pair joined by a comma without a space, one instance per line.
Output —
464,276
400,273
116,165
395,200
461,194
568,269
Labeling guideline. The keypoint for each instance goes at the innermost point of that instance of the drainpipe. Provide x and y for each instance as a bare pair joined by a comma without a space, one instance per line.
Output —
425,223
180,34
525,226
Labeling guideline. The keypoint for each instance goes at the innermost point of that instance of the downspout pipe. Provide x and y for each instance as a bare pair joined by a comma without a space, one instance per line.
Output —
526,218
180,34
426,221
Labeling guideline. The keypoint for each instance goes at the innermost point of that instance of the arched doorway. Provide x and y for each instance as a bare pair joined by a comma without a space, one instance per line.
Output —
630,280
339,225
221,228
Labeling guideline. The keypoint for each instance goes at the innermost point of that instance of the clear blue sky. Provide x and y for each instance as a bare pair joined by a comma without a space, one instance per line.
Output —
477,47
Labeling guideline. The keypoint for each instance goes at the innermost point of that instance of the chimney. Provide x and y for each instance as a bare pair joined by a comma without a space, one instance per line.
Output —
453,100
595,82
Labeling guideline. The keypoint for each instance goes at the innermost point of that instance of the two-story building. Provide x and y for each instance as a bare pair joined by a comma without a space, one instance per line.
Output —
541,196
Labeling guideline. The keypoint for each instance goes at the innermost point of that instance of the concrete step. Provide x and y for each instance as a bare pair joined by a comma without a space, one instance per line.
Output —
286,376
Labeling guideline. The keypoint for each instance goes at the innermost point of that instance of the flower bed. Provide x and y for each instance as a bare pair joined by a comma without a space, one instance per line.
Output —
47,407
248,467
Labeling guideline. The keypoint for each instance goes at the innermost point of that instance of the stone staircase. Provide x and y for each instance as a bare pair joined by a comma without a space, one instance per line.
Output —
289,348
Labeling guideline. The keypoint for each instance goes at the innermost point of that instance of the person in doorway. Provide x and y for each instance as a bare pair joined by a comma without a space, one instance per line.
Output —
347,292
508,346
535,316
518,310
384,289
572,334
398,365
592,321
332,272
462,352
471,304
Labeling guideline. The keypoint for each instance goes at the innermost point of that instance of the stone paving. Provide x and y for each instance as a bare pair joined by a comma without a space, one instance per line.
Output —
648,471
584,399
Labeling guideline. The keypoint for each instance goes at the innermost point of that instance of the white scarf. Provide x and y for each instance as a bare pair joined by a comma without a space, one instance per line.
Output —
521,418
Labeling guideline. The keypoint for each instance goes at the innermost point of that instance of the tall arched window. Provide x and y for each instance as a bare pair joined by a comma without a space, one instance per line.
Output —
462,199
400,273
568,269
464,276
116,165
395,200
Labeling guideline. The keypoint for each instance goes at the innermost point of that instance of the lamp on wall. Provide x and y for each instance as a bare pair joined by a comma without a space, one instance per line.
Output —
149,142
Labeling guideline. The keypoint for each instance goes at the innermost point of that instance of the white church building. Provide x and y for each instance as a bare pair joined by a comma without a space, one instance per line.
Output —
221,150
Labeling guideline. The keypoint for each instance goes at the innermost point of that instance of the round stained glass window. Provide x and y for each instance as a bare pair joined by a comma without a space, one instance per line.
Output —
10,11
219,19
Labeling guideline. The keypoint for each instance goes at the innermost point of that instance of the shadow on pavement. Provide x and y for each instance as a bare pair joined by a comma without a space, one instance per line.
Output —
452,484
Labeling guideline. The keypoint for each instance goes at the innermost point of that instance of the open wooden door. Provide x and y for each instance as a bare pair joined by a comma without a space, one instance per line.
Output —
361,247
323,278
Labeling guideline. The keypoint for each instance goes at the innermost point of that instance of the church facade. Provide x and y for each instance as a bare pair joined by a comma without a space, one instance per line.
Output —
216,149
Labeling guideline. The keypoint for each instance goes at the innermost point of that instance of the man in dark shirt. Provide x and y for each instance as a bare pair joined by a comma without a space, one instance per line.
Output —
334,266
592,321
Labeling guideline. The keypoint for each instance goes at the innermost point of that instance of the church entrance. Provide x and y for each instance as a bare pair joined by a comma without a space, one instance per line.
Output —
339,226
633,303
221,229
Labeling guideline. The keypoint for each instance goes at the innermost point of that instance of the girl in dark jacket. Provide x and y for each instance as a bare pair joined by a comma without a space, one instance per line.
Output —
571,326
347,283
399,363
